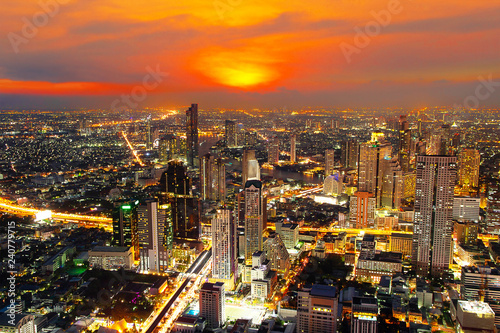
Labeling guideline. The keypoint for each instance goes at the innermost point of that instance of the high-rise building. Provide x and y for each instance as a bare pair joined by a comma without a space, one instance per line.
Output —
192,135
433,214
392,184
273,150
493,207
230,134
175,189
169,148
213,304
224,251
474,316
333,184
362,210
317,309
155,236
466,232
466,209
364,315
125,226
370,171
277,253
468,169
250,166
293,148
253,218
349,154
329,162
404,144
212,178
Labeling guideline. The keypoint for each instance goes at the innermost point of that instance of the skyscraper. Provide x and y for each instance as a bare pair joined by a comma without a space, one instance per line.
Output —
192,135
212,178
433,214
404,144
349,154
250,166
253,218
273,151
175,189
392,184
213,304
329,162
293,148
155,236
125,226
362,210
224,251
468,168
149,142
169,148
370,171
230,134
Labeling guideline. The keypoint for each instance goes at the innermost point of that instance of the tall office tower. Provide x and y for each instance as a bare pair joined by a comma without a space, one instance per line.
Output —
349,154
249,166
175,189
253,218
334,184
493,207
392,184
468,169
433,214
125,231
212,178
317,309
434,146
334,124
370,172
404,144
362,210
293,148
192,135
224,250
250,139
155,236
240,209
329,162
277,253
364,315
149,142
446,144
273,150
213,304
230,133
168,148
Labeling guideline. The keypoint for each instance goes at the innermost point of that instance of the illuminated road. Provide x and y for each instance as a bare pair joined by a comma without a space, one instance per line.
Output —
132,149
90,221
192,272
356,231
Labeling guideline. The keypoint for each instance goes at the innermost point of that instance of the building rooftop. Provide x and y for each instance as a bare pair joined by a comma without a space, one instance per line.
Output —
475,307
323,291
110,249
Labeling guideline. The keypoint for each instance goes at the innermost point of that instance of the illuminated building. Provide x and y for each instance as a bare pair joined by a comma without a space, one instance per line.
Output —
370,171
192,135
349,154
364,315
333,184
250,139
317,309
224,251
289,233
253,218
263,279
466,232
433,214
329,161
17,323
212,178
155,236
380,264
169,148
230,134
474,316
401,243
249,165
404,144
293,148
362,210
111,257
466,208
493,207
149,142
277,253
468,168
213,304
175,189
125,231
392,184
273,151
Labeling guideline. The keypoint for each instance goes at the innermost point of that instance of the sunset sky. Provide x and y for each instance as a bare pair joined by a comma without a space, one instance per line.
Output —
249,53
